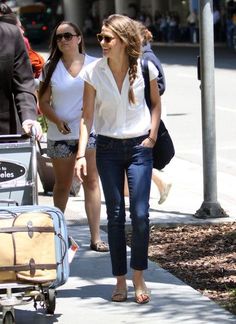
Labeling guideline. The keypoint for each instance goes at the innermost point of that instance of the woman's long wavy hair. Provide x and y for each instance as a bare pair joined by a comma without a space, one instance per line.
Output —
55,54
125,28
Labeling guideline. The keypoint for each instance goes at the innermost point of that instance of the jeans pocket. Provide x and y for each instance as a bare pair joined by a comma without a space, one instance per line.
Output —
103,144
141,147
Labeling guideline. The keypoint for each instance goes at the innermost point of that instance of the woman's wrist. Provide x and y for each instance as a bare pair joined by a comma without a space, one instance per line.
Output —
151,140
80,157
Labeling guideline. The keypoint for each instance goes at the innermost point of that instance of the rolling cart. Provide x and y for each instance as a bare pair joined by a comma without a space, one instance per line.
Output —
27,273
15,294
27,230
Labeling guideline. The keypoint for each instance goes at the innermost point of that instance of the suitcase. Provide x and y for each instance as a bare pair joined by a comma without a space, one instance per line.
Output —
33,245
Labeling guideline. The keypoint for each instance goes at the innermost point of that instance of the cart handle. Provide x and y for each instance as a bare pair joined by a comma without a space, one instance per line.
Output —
9,201
13,137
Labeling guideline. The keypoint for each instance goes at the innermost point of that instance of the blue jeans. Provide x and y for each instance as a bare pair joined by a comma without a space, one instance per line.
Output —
115,157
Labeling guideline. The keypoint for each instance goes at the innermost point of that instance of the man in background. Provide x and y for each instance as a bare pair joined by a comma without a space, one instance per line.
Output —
18,110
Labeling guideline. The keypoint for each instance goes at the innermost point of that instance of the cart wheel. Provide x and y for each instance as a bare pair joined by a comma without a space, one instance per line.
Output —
8,318
50,300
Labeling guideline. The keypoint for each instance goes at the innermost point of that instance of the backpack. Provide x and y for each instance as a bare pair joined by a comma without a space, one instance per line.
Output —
37,62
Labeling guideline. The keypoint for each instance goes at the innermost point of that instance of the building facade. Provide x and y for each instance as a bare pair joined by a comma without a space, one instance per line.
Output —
78,10
167,19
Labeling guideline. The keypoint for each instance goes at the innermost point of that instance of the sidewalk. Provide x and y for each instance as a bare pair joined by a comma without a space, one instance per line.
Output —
85,298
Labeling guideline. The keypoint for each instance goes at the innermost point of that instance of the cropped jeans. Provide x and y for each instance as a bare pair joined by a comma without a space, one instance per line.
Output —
115,157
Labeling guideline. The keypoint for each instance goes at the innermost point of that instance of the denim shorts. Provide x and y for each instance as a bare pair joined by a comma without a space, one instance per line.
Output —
67,148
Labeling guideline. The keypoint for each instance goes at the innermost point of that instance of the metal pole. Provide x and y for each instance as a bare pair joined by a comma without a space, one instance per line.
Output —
210,207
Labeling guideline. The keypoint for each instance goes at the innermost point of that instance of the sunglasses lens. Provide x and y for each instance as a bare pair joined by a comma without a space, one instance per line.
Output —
59,37
99,37
68,36
107,39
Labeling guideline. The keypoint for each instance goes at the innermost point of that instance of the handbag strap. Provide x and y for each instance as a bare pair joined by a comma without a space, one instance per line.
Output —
145,72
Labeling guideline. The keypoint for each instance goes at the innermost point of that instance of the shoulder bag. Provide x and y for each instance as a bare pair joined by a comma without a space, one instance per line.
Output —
163,150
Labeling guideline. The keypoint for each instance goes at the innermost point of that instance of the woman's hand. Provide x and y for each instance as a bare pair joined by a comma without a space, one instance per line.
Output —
63,127
81,167
148,142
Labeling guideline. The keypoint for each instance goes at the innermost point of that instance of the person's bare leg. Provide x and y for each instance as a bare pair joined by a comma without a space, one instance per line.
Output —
63,180
157,179
162,184
92,195
120,292
142,294
126,188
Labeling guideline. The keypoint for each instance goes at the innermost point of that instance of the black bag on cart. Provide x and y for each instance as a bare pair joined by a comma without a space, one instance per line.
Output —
33,246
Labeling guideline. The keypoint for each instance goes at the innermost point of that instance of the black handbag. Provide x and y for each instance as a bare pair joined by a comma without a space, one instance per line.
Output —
163,150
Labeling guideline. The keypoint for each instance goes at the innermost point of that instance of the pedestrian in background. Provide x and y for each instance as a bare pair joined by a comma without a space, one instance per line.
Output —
60,100
192,20
160,180
36,59
18,108
114,100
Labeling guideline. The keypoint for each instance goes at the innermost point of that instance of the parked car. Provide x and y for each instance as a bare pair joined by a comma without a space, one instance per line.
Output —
37,21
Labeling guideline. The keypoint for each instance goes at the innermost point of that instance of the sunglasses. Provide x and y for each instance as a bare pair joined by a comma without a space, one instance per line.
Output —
66,36
107,39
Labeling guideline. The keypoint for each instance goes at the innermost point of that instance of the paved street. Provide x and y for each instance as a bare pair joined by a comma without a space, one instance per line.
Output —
85,298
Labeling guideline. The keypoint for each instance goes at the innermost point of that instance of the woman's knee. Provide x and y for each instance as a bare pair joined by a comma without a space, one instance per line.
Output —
91,182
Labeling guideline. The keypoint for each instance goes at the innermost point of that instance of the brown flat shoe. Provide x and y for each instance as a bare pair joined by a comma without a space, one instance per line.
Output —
119,295
142,296
165,193
99,246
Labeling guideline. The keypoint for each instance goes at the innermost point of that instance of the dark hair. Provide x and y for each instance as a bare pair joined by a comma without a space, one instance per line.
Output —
7,15
55,55
4,9
9,18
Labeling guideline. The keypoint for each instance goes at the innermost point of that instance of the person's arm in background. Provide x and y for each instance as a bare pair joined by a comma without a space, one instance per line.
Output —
23,88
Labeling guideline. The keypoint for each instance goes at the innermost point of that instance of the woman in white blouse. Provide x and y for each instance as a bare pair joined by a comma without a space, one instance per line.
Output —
114,100
60,100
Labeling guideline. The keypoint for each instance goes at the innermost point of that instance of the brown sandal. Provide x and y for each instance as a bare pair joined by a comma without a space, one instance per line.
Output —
119,295
99,246
142,296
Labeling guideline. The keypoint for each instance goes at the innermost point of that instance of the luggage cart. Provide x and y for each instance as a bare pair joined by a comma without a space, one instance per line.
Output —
18,186
18,170
16,294
22,224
